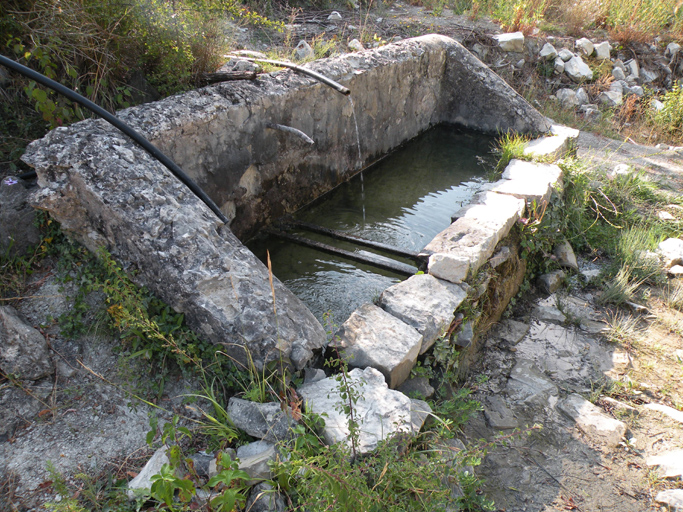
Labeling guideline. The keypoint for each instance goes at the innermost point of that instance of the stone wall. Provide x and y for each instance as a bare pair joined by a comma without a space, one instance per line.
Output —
107,192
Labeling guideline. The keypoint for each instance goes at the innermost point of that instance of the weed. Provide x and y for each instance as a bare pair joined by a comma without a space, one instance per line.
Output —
620,289
508,147
670,117
623,329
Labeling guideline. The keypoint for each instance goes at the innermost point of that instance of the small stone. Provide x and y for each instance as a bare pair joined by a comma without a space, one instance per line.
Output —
500,257
142,483
578,70
592,421
672,50
417,387
618,74
585,46
657,105
552,281
334,16
548,52
676,271
617,87
670,463
602,50
254,459
622,169
633,68
666,410
620,406
567,97
558,66
619,64
565,55
665,216
581,97
23,350
304,51
520,64
647,76
637,90
565,255
264,421
671,250
264,498
313,375
611,98
465,336
355,45
590,111
672,498
512,42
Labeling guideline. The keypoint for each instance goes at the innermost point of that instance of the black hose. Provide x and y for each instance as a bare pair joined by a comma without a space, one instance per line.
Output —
115,121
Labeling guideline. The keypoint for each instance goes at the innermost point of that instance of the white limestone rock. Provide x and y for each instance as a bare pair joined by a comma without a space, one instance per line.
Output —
530,181
647,76
671,251
672,413
512,42
380,411
618,73
355,45
567,97
425,303
558,66
582,97
611,98
142,483
591,420
565,255
633,68
602,50
371,337
334,16
672,50
565,54
670,463
304,51
672,498
585,46
552,281
548,52
578,70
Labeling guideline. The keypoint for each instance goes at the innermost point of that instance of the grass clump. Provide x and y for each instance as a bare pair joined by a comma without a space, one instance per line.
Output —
670,118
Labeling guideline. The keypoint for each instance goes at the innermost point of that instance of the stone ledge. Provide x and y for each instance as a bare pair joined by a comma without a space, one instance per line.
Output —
371,337
530,181
425,303
555,146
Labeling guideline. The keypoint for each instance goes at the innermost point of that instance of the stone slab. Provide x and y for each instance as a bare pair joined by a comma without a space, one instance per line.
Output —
461,248
672,498
528,384
530,181
670,463
591,420
498,414
380,411
373,337
558,145
666,410
425,303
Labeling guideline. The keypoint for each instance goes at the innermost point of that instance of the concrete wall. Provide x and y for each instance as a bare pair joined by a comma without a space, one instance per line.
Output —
106,192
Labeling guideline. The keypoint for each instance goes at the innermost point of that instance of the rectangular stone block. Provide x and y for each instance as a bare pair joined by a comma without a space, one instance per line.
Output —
557,145
527,180
461,248
425,303
498,212
373,337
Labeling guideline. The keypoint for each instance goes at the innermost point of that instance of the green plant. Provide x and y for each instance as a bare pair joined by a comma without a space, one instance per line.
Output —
508,147
670,117
623,329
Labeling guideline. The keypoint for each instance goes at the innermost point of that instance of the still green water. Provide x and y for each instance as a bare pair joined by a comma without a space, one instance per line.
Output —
404,200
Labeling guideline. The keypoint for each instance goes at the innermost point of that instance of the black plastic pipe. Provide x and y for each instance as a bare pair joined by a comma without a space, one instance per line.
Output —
115,121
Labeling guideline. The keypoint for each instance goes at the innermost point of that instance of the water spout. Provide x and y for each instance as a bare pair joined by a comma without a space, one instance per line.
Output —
293,131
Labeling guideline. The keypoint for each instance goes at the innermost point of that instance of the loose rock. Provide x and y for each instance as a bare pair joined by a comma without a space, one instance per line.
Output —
585,46
565,255
264,498
264,421
670,463
142,483
578,70
602,50
373,337
23,350
552,281
592,421
672,498
355,45
304,51
671,250
548,52
512,42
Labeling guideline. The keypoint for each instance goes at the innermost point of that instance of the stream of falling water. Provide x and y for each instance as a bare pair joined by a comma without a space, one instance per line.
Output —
360,155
